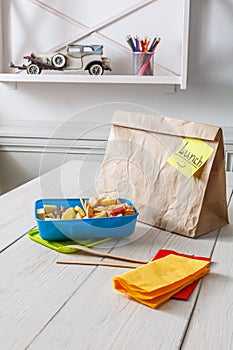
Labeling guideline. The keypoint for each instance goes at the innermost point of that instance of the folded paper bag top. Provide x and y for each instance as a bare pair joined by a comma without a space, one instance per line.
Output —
154,283
145,160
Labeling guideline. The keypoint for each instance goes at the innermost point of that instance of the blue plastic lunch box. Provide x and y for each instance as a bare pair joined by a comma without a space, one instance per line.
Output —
107,227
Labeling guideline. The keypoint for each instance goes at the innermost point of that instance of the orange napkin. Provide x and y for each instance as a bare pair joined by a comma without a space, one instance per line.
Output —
185,293
154,283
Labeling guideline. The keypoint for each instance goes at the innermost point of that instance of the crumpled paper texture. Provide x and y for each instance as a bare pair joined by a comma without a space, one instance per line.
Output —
135,167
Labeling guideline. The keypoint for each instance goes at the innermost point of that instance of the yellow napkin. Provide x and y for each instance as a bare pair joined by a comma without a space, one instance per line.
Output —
154,283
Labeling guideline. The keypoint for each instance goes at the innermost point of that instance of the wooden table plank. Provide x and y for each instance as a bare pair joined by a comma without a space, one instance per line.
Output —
98,317
33,289
45,305
211,322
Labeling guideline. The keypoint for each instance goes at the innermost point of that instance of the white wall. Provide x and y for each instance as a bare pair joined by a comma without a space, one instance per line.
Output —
208,98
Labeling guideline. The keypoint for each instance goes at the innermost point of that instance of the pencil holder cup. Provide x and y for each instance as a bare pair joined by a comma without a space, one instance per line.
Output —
143,63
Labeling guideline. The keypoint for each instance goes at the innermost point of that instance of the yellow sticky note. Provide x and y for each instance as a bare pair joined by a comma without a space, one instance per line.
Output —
190,156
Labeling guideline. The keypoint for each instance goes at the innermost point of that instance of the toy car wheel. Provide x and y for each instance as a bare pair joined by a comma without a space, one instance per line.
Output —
59,60
96,69
33,69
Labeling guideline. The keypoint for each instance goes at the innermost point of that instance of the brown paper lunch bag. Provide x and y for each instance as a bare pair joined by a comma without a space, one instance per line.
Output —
135,167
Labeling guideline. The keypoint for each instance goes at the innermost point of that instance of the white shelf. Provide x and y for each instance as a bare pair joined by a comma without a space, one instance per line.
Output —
109,79
162,74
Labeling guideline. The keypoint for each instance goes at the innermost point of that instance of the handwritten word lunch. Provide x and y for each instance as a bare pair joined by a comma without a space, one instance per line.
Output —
190,156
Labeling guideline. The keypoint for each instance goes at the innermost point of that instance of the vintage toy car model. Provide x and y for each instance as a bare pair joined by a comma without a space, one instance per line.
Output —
75,58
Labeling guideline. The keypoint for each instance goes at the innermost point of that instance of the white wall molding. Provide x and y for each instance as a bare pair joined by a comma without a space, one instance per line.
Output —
228,144
28,148
32,143
35,137
51,137
68,130
228,135
38,145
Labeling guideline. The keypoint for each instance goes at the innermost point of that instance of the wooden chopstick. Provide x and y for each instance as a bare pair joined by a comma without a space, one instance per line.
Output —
97,263
105,255
83,205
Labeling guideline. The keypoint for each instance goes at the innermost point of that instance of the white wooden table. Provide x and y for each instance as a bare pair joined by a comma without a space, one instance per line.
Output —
44,305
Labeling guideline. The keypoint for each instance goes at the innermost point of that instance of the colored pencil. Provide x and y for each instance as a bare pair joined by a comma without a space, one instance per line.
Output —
143,46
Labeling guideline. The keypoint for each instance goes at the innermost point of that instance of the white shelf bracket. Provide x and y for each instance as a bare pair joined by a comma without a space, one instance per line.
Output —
185,40
1,38
10,85
169,88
